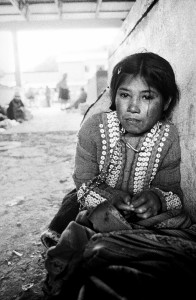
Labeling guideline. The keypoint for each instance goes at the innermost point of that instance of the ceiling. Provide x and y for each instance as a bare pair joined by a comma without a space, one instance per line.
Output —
62,13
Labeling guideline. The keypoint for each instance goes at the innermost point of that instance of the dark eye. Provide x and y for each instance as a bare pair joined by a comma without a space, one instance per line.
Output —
124,95
148,97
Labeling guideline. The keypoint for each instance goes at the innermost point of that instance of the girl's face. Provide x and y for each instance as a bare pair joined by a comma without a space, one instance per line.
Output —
138,106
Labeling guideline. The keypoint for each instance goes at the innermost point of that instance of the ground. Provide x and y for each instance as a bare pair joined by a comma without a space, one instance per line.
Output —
37,159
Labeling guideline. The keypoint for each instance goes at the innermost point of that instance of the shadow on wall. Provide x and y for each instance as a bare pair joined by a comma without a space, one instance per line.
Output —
102,104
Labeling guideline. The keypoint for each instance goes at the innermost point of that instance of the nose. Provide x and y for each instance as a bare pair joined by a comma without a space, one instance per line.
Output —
134,105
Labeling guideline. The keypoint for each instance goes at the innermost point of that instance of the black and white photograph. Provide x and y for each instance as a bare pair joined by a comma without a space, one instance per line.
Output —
97,149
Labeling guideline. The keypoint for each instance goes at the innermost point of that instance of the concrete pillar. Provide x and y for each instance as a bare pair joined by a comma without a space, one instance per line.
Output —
16,58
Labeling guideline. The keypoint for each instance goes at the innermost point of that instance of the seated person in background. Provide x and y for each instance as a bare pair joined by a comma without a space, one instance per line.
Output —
15,109
81,99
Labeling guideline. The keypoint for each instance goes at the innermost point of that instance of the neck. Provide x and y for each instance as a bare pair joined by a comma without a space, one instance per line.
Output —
131,142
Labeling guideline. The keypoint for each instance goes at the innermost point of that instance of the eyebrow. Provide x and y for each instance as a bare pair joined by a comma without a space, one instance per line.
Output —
143,91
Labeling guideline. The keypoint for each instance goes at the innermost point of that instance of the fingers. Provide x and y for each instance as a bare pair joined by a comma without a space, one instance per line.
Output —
145,211
144,205
141,209
137,201
126,203
145,215
125,207
127,199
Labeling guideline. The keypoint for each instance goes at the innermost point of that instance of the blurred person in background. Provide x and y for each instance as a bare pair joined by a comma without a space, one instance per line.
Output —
63,91
3,115
15,109
48,96
81,99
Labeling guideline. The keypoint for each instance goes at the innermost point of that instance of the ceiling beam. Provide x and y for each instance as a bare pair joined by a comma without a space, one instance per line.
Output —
59,5
58,24
22,7
99,2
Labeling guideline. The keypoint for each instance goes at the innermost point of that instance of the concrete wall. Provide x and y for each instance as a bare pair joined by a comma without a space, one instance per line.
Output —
96,85
168,27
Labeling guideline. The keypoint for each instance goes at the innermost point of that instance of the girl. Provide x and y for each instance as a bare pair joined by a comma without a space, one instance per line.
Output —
134,145
127,166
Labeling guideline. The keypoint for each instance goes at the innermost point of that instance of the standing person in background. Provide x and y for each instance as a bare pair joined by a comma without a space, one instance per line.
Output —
48,96
63,90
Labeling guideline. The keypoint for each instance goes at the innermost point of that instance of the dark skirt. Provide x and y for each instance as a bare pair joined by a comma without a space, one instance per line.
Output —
142,264
66,213
138,262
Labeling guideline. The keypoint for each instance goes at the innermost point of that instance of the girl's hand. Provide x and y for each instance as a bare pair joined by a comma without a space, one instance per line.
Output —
146,204
122,201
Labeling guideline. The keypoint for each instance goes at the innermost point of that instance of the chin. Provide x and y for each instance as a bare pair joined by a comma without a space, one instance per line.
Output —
133,132
133,129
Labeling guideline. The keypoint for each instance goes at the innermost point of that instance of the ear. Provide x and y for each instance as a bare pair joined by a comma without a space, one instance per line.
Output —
166,105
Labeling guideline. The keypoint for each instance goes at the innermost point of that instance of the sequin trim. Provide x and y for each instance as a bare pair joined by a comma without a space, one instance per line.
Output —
172,200
143,158
145,154
81,191
86,195
88,198
115,166
104,147
93,199
114,148
159,150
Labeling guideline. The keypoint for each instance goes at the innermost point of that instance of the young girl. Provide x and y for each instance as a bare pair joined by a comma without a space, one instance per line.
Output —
127,164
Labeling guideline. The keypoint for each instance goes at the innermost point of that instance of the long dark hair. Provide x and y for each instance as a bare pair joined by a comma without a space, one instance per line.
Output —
155,70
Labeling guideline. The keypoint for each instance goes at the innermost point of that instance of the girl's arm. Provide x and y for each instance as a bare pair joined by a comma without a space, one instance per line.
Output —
167,182
91,191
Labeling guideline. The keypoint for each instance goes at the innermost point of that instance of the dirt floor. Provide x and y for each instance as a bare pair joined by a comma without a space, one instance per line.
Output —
37,159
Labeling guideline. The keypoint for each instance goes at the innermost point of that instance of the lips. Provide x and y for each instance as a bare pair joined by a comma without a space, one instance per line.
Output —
132,121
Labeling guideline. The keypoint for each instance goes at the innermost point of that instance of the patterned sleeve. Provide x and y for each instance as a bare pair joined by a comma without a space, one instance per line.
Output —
167,182
86,172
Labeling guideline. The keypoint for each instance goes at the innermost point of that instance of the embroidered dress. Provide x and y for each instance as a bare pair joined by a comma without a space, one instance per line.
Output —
104,164
100,236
